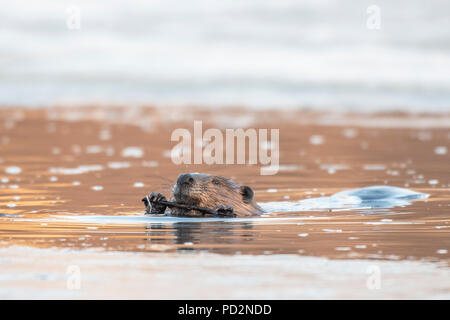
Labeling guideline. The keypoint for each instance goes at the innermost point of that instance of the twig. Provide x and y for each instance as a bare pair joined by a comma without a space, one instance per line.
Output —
221,211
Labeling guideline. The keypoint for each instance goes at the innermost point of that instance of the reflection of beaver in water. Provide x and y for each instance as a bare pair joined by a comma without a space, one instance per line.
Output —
209,191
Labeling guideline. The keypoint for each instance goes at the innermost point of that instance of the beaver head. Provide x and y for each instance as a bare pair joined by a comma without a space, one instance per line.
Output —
211,191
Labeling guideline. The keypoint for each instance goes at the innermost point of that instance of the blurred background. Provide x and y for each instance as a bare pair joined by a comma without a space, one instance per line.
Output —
316,54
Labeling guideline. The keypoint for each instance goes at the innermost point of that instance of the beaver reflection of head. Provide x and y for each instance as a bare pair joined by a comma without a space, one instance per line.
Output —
204,190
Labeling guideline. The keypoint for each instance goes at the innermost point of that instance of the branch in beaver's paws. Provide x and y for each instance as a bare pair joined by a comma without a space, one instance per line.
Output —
157,203
153,205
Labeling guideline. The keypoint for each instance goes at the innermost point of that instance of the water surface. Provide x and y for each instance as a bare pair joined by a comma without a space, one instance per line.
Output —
71,183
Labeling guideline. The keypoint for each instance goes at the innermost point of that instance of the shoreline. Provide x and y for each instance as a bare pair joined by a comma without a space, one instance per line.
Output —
212,276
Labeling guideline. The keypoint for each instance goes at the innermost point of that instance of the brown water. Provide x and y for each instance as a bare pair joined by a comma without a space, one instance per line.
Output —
78,188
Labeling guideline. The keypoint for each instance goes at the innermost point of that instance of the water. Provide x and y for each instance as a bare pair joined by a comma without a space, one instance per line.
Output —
373,194
69,201
364,199
360,200
210,276
71,179
317,54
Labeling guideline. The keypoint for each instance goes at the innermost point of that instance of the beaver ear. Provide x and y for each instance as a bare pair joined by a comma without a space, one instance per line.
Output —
247,194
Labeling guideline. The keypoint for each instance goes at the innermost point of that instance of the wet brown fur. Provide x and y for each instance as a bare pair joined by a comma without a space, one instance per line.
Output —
211,192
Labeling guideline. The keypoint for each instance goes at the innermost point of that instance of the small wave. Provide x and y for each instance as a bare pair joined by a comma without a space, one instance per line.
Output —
374,197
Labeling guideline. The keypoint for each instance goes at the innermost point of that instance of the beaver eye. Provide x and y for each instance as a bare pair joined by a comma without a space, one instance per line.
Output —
215,181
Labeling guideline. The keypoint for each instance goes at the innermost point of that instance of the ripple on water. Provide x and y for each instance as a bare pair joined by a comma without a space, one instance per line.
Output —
440,150
365,198
13,170
362,199
132,152
374,167
119,165
77,170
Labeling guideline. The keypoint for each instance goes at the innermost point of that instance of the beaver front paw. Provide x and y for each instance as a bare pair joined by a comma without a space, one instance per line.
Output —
153,203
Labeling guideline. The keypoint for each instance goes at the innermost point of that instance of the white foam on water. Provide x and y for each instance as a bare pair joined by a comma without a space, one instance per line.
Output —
77,170
316,140
303,235
94,149
342,248
374,167
133,152
118,165
332,230
13,170
392,223
441,150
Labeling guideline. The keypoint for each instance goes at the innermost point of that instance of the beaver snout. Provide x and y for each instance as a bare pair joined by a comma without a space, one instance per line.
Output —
184,189
185,179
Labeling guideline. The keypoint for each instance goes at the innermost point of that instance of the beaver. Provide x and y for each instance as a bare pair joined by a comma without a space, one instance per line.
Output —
209,191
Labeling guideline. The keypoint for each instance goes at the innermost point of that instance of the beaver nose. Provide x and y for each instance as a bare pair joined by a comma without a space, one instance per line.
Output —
185,178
